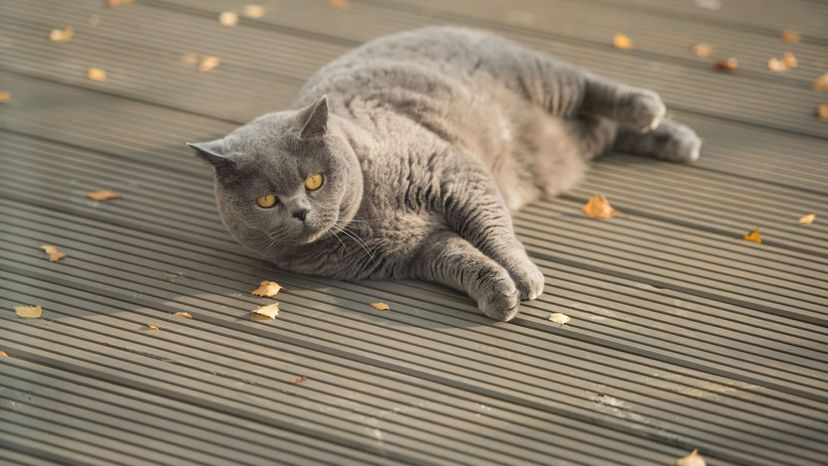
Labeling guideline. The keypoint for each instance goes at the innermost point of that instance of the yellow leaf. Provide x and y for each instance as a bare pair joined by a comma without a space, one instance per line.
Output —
622,41
61,35
96,74
821,83
208,63
693,459
152,327
806,219
4,354
228,18
754,235
790,60
381,306
53,252
599,207
29,312
340,5
5,96
183,315
728,65
254,11
822,112
114,3
775,64
791,37
265,312
267,289
559,318
103,195
299,379
703,50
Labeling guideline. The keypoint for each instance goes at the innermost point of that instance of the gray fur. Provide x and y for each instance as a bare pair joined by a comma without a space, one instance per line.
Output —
427,141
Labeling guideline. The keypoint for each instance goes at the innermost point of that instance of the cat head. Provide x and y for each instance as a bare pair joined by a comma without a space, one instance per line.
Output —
285,179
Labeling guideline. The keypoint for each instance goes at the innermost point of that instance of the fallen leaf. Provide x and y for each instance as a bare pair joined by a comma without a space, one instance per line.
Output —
53,252
806,219
189,58
103,195
775,64
183,315
267,289
693,459
5,96
62,35
114,3
381,306
622,41
228,18
754,235
208,63
96,74
599,207
299,379
4,354
339,4
559,318
790,60
728,65
29,312
152,327
703,50
821,83
822,112
265,312
254,11
791,37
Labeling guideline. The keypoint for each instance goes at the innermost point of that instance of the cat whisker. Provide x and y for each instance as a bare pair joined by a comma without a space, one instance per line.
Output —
356,238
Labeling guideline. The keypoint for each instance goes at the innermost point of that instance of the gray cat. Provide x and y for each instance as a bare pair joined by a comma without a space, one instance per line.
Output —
407,155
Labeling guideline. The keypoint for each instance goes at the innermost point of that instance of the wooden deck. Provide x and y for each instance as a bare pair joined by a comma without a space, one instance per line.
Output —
682,336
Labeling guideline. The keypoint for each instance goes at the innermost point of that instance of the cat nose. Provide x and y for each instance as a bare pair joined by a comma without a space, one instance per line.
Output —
300,214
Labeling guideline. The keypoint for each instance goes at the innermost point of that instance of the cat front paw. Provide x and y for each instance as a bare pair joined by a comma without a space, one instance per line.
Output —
498,299
642,110
529,281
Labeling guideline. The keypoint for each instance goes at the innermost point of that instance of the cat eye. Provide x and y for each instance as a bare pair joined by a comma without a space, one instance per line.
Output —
266,202
314,181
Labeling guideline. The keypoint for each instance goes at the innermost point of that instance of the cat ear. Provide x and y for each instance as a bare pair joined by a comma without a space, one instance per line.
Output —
211,152
315,119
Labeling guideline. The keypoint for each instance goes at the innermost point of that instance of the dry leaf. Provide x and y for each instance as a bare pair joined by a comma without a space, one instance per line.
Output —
559,318
693,459
381,306
5,96
821,83
96,74
340,5
29,312
103,195
183,315
728,65
775,64
299,379
790,60
791,37
52,251
754,235
806,219
189,58
822,112
254,11
152,327
267,289
265,312
622,41
703,50
228,18
599,207
208,63
4,354
62,35
114,3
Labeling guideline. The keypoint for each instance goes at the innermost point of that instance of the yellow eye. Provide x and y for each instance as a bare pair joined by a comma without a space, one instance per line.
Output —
314,182
266,201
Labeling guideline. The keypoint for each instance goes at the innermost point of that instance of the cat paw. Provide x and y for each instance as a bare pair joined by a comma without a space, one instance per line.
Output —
529,281
682,143
642,110
498,300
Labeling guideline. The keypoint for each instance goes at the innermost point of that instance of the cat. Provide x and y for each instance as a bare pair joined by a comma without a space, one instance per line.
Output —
404,158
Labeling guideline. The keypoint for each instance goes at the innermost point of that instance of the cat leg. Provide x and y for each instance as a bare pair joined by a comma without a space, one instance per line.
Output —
669,141
631,107
448,259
